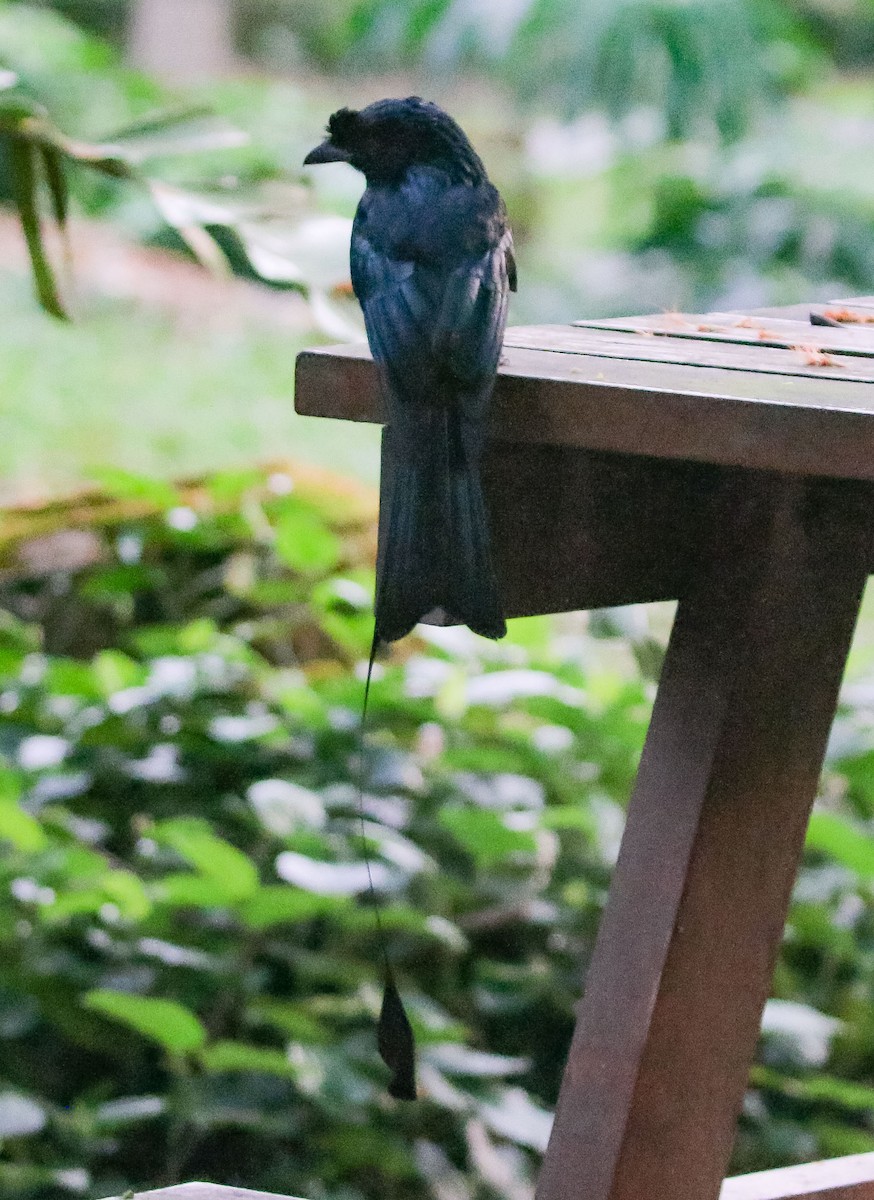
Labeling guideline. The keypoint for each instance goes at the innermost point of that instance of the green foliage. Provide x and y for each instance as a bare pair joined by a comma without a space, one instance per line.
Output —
701,64
190,962
76,76
710,195
270,243
163,1021
190,965
774,227
30,140
265,232
182,907
708,64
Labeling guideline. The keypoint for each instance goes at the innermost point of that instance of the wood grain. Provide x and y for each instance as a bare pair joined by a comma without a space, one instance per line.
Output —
577,530
687,349
743,329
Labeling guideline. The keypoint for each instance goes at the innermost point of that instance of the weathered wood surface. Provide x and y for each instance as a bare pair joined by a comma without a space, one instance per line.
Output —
205,1191
744,329
683,961
855,302
688,350
850,1178
810,425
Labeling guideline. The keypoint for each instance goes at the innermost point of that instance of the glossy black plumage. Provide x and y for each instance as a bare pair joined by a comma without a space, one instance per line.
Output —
432,265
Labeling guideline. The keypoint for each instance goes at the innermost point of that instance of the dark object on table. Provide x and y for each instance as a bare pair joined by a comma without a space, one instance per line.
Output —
817,318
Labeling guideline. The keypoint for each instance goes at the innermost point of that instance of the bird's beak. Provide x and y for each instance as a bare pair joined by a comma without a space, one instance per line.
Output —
326,153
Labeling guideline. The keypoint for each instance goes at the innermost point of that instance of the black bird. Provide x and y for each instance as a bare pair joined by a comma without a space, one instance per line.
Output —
432,266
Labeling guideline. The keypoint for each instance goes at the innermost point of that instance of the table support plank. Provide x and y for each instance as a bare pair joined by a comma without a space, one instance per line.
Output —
683,962
206,1191
850,1178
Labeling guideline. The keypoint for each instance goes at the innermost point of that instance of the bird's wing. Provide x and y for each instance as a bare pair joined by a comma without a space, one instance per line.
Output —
469,327
436,330
395,306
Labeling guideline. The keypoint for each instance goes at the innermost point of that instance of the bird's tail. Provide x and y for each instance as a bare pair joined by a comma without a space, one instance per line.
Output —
434,547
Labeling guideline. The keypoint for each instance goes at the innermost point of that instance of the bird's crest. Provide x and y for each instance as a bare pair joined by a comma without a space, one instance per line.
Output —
342,125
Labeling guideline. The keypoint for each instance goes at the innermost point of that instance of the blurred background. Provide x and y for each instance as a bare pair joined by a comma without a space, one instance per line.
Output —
653,154
187,988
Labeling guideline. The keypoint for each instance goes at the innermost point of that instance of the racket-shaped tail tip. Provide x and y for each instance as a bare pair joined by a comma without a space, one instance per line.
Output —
397,1047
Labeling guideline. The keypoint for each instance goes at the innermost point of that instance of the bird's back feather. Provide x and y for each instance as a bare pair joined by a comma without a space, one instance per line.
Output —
431,267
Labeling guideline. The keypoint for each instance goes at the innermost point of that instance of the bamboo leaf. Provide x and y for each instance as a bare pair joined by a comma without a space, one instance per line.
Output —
53,165
178,131
23,165
56,178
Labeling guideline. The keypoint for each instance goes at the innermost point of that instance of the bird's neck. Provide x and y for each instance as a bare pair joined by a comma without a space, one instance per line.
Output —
445,149
455,155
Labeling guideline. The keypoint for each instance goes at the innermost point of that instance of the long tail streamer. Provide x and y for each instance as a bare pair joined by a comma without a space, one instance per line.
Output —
394,1034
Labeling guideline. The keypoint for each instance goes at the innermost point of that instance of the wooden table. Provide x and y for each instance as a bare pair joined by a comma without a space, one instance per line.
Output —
726,461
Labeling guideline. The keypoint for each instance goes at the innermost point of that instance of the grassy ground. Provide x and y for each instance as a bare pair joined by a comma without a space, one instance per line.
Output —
149,389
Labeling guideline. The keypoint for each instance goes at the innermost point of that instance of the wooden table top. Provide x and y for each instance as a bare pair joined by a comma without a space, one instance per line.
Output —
768,390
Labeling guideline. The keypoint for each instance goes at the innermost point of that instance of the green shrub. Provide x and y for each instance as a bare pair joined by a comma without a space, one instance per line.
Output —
190,965
190,974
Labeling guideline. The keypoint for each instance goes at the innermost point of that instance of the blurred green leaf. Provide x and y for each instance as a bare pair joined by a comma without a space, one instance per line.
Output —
818,1089
305,541
56,179
291,1019
166,1022
23,159
237,1056
188,130
843,842
191,891
115,671
126,890
222,863
484,834
69,677
276,905
18,827
127,485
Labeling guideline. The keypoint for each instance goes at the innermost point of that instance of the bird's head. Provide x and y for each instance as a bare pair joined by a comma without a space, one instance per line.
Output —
388,137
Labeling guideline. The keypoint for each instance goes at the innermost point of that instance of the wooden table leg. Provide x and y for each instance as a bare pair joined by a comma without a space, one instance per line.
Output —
683,961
